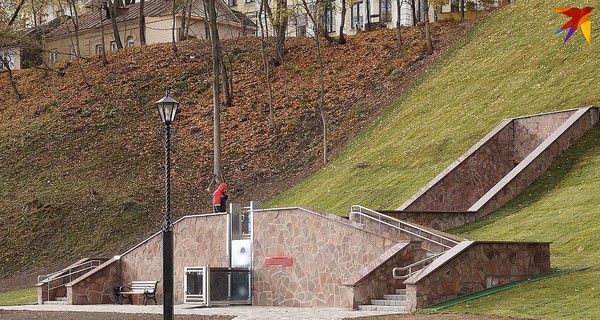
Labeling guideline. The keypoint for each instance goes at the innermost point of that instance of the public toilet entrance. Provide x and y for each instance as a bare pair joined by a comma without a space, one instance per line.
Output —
208,285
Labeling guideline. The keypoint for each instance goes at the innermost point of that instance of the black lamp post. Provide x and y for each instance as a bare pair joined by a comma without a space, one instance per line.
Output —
167,109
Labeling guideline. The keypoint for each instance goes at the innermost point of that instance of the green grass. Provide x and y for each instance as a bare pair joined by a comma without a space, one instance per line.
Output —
510,65
24,296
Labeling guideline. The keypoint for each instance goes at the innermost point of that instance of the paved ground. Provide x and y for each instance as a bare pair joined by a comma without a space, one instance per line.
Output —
239,312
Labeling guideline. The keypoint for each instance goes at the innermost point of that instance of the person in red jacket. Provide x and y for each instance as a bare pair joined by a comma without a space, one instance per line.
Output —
220,198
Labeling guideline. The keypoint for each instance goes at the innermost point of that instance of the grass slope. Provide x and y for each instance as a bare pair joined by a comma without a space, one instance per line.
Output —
508,66
511,65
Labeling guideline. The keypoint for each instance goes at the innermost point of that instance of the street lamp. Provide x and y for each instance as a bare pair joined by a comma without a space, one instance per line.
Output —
167,109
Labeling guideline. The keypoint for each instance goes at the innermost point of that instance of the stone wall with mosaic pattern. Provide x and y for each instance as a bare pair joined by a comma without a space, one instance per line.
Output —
96,287
198,241
481,265
470,177
378,280
325,250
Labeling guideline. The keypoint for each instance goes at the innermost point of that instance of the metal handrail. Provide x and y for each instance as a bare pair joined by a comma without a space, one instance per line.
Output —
53,276
409,267
67,273
401,225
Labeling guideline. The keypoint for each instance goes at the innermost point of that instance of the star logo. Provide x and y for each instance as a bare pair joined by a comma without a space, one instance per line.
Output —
580,19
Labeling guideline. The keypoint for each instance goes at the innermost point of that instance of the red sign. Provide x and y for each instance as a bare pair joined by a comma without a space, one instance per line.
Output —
279,261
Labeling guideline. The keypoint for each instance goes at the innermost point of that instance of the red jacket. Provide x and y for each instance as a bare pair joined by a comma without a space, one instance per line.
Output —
217,195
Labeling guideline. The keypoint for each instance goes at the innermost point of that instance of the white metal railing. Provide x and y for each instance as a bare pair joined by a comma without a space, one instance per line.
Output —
67,273
413,267
400,225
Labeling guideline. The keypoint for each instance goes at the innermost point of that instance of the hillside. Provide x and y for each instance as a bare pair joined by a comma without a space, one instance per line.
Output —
510,65
81,162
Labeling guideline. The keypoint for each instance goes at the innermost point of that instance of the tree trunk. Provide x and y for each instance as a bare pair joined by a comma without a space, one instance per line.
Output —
186,30
399,22
227,96
322,102
414,12
16,14
11,79
368,4
321,76
214,39
281,25
73,6
102,38
461,3
263,51
427,31
342,39
142,24
173,28
113,20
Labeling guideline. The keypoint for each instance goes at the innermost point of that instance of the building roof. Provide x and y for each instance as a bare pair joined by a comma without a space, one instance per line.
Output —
152,8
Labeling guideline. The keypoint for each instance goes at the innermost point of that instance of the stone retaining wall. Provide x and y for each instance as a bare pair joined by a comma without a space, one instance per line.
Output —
198,241
324,250
481,265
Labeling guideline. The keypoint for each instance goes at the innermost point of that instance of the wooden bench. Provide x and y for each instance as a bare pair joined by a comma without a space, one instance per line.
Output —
147,288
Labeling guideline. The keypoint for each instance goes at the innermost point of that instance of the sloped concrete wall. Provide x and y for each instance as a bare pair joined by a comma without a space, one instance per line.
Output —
325,250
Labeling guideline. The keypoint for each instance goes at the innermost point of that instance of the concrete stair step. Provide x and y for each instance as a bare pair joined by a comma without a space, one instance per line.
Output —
401,291
388,302
401,297
399,309
56,302
60,298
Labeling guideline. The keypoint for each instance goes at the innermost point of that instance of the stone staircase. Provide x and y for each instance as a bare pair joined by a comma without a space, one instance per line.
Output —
390,302
58,301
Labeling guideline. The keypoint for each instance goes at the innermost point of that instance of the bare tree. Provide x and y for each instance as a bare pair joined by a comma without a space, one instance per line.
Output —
342,39
313,11
112,12
427,31
280,24
216,55
142,23
264,32
102,37
173,11
399,22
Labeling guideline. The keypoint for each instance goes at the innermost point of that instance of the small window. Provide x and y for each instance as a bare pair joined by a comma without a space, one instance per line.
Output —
385,10
53,56
249,1
130,42
329,20
99,49
356,16
301,25
9,57
113,46
232,3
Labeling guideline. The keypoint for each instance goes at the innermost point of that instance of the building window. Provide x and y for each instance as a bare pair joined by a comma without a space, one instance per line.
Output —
99,49
301,25
249,1
232,3
73,52
53,56
130,42
356,16
329,20
8,57
385,10
113,46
